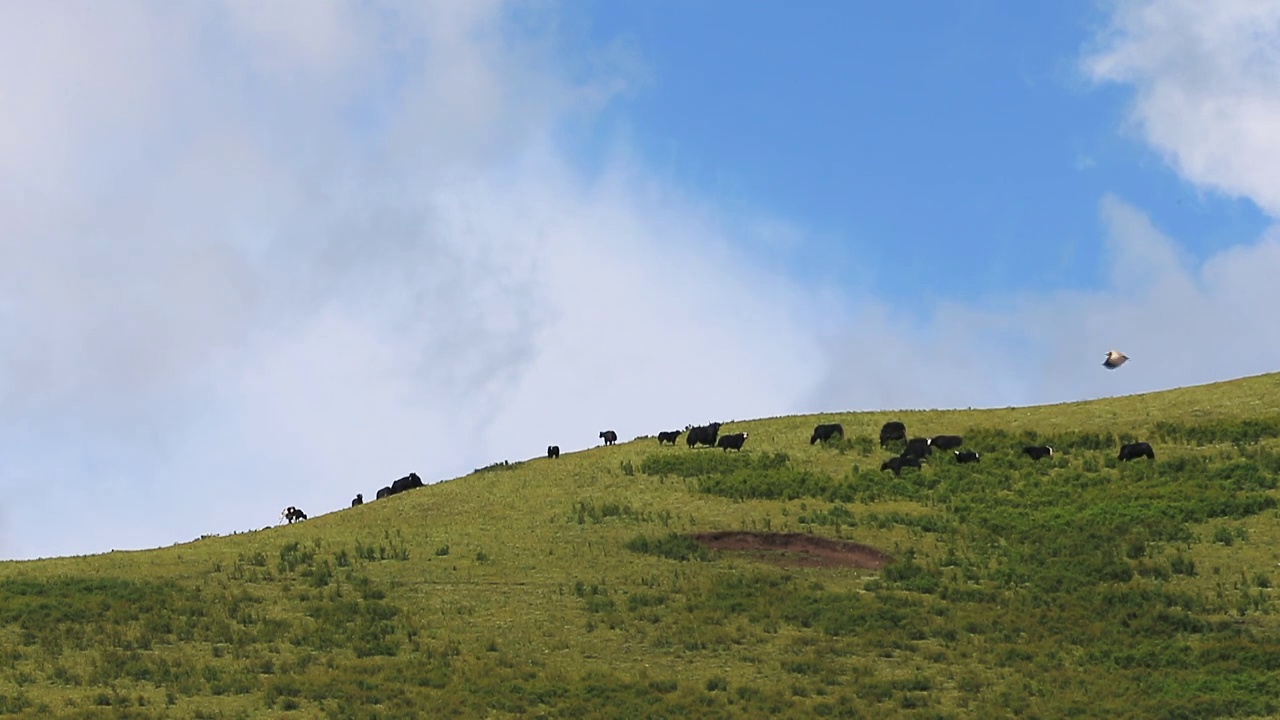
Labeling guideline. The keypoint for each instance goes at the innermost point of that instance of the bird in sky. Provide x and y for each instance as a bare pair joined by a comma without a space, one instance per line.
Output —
1114,359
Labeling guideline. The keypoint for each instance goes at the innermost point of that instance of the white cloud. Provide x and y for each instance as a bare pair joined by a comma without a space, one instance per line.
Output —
1206,77
1181,324
256,262
248,262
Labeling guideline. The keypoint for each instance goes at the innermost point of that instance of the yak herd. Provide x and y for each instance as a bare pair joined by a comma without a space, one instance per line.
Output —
919,448
915,452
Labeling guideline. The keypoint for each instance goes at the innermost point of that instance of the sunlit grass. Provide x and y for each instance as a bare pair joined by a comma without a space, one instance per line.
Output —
1074,586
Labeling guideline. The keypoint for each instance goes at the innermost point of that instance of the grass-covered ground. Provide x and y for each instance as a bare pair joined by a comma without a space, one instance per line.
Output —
1077,586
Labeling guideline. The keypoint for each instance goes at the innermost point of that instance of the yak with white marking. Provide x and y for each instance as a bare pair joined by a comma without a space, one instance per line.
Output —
732,442
1035,452
919,448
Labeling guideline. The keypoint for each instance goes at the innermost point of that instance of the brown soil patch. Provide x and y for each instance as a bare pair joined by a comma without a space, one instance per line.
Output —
796,549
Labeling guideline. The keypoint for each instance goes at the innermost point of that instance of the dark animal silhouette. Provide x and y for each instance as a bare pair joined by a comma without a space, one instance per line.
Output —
553,451
897,463
293,514
966,456
918,447
823,433
408,482
892,430
732,442
1135,450
668,437
358,501
1035,452
610,437
704,435
947,442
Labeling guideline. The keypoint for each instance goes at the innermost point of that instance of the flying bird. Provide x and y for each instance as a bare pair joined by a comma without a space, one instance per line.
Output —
1114,359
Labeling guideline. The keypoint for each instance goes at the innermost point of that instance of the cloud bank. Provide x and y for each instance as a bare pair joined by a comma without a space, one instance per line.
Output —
256,255
1205,78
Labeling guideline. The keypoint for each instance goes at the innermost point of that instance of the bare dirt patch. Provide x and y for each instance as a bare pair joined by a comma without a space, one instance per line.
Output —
796,549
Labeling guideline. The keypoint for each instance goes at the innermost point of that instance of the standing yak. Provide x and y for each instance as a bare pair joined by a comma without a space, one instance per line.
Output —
1134,450
1035,452
732,442
408,482
920,447
823,433
704,435
668,437
947,442
892,430
610,437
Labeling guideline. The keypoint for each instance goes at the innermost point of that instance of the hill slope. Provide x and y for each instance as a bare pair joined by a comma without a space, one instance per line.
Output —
1076,585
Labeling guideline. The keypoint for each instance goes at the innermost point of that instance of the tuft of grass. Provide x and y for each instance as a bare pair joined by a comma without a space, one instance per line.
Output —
672,547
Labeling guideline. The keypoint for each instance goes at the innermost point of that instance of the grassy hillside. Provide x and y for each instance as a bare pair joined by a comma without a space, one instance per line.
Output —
1074,586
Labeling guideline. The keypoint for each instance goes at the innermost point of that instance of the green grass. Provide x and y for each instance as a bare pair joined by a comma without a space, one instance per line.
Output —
1077,586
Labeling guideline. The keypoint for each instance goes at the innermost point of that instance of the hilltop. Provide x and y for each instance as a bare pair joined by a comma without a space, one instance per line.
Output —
788,580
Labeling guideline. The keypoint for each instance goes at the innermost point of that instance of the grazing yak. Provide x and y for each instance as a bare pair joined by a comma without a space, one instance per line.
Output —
947,442
358,501
669,437
732,442
1114,360
610,437
1135,450
897,463
293,514
553,451
918,447
1035,452
966,456
892,430
823,433
408,482
704,435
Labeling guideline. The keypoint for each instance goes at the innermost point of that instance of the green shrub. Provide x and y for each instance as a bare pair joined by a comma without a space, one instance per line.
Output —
702,463
672,546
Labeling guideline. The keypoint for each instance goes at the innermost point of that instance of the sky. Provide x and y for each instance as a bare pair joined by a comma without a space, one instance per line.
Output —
265,254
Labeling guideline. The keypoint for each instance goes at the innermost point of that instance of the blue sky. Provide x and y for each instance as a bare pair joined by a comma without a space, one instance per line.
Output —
265,254
951,149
